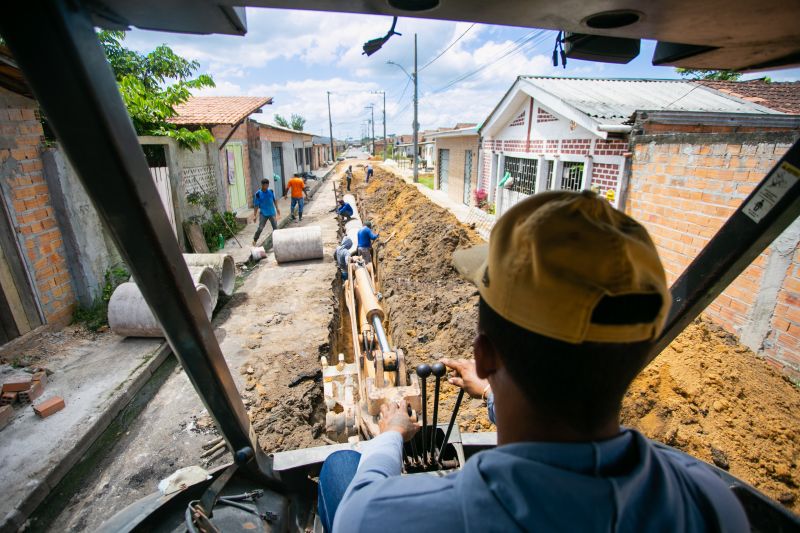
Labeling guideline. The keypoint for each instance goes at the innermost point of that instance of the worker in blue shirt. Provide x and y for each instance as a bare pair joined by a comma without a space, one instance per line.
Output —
564,326
369,171
265,206
344,209
365,238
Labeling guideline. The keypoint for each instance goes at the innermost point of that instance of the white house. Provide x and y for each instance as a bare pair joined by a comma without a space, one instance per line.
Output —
572,133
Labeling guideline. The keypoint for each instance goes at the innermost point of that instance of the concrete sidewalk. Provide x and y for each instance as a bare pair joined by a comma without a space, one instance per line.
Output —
483,221
97,380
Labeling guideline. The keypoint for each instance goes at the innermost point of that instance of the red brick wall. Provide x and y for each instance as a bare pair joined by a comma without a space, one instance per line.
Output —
28,200
605,176
683,193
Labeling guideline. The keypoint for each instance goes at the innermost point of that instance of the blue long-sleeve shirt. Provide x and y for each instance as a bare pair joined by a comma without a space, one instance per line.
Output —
622,484
365,237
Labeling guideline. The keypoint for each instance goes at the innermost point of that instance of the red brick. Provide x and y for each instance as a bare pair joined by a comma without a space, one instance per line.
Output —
8,398
17,384
35,390
49,406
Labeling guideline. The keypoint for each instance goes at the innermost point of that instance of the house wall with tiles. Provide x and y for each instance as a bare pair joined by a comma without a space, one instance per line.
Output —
683,187
539,133
27,200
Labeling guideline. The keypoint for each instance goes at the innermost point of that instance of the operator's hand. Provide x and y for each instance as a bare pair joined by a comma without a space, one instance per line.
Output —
466,377
394,417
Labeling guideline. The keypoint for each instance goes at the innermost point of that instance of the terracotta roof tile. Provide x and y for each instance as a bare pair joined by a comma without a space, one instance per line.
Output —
218,109
780,96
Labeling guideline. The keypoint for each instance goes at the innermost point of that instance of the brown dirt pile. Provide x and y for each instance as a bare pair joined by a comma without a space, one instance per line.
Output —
705,395
714,399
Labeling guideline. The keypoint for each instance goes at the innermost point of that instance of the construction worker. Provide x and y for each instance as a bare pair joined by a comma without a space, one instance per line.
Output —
348,175
298,194
365,238
342,256
572,298
344,209
265,206
369,171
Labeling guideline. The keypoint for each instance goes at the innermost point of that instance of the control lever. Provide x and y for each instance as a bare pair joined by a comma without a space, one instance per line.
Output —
414,456
438,370
452,422
423,371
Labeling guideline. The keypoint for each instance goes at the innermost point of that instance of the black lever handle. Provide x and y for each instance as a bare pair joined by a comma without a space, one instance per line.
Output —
423,371
438,370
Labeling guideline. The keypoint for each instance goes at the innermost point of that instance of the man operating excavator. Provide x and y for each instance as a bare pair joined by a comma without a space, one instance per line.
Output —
572,296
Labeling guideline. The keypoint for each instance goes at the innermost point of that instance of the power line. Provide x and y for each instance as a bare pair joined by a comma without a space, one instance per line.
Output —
446,49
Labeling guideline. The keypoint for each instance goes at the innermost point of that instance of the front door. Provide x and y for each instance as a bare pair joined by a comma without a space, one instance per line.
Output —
277,170
235,166
444,168
467,175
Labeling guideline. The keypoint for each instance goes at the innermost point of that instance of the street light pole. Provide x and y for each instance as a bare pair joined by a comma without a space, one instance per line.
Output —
416,122
330,128
384,121
372,111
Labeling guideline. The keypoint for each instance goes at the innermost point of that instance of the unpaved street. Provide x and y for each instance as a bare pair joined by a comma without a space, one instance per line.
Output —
273,329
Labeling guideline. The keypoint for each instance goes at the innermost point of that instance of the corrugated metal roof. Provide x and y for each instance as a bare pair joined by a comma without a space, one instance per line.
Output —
615,100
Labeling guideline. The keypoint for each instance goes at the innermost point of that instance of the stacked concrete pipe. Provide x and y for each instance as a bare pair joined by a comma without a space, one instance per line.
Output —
297,244
130,316
206,276
221,264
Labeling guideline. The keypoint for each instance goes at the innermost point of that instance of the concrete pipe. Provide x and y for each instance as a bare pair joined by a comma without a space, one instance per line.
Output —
350,199
297,244
207,277
351,229
130,316
223,266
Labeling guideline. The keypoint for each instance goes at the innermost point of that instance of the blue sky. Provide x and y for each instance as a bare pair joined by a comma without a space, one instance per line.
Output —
297,56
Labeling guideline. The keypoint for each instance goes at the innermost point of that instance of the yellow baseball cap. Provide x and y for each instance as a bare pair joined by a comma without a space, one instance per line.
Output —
569,266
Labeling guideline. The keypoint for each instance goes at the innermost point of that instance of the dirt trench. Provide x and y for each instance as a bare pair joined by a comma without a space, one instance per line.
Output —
705,394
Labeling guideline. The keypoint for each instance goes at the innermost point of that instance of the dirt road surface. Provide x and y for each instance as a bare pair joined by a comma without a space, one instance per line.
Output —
273,329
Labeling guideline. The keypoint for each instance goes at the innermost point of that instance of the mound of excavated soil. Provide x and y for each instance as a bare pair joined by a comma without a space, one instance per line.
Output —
705,394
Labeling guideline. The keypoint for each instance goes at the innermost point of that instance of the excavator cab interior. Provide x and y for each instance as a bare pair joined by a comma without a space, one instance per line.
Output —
55,44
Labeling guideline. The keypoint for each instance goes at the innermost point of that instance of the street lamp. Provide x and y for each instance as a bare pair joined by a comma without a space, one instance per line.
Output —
413,78
384,120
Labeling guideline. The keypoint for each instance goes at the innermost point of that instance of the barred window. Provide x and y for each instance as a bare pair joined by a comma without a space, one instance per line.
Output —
523,171
572,176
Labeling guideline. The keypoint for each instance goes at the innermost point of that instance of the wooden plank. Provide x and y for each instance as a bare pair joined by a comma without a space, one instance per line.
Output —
195,235
12,297
17,267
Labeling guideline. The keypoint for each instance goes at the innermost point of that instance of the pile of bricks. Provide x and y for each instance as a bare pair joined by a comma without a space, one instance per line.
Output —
25,390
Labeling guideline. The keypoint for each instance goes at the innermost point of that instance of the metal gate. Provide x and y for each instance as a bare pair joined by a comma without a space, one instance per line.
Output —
277,171
467,175
161,179
444,168
572,176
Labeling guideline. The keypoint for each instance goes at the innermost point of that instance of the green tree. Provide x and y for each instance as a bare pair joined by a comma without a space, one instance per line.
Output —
152,85
702,74
295,122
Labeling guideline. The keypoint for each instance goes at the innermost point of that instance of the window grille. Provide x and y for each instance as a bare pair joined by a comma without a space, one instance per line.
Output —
523,171
572,176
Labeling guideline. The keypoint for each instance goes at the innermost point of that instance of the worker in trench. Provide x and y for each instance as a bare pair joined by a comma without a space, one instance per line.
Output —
365,238
572,297
342,256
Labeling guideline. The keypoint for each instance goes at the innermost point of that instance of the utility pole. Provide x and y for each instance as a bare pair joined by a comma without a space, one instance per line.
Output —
330,128
371,108
416,122
384,121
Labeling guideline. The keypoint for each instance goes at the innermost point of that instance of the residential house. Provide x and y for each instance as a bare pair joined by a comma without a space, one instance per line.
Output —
320,151
237,137
457,157
679,156
284,152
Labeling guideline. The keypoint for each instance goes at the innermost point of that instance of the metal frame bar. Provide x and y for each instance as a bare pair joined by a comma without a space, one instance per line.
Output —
737,244
55,44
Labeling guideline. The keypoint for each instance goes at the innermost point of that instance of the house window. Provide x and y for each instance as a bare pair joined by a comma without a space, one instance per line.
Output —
572,176
467,175
523,172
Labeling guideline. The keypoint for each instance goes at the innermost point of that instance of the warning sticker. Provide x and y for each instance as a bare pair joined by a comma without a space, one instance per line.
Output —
770,193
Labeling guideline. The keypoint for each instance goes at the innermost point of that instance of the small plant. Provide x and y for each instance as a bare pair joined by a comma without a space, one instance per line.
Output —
95,316
481,197
217,225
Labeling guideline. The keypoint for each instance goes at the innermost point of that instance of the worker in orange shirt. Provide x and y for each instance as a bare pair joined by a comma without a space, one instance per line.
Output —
298,192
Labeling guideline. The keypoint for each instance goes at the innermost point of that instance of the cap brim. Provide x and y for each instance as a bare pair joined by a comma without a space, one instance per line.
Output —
469,262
